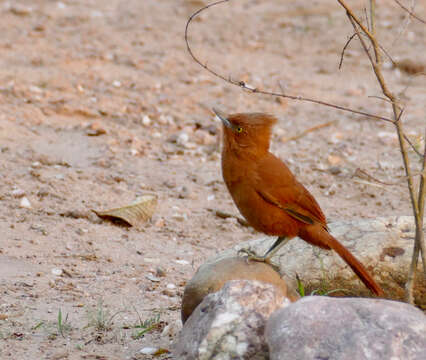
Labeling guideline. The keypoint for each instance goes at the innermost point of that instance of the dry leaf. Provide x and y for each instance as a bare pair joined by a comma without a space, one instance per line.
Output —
135,214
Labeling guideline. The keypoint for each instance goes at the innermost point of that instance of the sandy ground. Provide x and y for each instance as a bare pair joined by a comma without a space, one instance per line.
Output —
100,103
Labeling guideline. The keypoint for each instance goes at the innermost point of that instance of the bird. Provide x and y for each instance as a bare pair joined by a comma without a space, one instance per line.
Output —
269,196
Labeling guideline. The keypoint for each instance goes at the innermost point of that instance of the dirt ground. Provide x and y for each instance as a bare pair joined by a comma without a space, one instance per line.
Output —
100,103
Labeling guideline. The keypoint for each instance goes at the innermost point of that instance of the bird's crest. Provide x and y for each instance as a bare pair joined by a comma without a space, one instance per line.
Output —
253,119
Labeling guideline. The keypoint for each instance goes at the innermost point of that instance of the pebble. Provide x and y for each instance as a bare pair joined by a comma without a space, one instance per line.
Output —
334,160
116,83
160,223
334,170
56,272
25,203
160,272
168,292
182,139
20,10
18,193
166,120
179,216
146,120
182,262
171,286
148,350
152,278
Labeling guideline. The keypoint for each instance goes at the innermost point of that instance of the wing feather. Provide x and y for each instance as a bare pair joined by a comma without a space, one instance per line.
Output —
277,185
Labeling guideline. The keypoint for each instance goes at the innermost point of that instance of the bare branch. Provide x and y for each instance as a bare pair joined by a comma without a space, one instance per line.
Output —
244,86
419,243
410,12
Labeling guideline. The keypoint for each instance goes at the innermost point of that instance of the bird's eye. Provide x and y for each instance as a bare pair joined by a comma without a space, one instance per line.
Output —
239,129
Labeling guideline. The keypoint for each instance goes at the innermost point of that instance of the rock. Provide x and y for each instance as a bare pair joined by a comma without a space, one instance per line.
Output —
18,193
211,277
146,120
367,239
346,328
148,350
25,203
230,323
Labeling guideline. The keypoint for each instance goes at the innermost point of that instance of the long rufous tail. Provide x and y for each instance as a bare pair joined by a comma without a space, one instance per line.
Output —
321,237
356,266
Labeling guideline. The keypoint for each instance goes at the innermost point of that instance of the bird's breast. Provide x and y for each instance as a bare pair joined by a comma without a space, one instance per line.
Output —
260,214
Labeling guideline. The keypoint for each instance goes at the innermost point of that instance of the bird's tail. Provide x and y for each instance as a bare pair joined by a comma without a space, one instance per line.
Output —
322,237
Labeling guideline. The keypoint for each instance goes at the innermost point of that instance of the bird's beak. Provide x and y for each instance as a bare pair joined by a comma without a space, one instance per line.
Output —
222,116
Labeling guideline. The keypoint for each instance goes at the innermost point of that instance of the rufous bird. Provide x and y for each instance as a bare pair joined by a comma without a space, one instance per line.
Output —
269,196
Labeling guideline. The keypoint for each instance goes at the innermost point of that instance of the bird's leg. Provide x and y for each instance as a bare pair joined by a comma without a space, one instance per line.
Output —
281,241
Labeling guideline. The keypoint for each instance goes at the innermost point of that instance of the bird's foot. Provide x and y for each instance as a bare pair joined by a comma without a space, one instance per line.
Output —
252,256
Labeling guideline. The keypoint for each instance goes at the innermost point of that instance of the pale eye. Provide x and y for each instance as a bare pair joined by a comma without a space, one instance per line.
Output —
239,129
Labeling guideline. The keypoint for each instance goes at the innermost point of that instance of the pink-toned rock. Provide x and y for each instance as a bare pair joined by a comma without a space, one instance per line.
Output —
317,327
210,277
230,323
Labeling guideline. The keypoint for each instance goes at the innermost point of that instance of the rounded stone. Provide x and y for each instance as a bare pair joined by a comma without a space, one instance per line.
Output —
210,278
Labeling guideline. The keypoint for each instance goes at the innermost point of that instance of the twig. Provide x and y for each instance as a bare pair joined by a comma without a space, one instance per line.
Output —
243,85
344,49
307,131
359,172
410,12
419,241
373,29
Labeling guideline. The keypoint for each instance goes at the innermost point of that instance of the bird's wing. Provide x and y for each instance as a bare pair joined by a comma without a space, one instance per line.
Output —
277,185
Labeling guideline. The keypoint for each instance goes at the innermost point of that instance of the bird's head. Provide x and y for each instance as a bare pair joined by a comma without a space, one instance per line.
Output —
247,132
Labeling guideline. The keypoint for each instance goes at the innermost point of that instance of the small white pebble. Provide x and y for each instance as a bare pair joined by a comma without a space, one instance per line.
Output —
116,83
56,272
182,262
210,197
148,350
25,203
146,120
182,138
171,286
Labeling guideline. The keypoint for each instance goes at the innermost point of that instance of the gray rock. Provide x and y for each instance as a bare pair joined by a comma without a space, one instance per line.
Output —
383,245
230,323
210,277
347,329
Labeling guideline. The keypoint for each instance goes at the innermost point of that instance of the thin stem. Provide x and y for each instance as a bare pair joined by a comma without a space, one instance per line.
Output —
373,28
410,12
419,239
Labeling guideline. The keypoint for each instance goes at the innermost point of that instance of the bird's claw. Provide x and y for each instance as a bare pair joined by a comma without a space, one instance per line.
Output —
251,256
